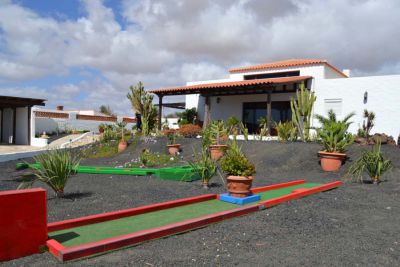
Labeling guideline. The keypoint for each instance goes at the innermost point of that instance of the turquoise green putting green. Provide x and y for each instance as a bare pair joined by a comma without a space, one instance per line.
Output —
98,231
177,173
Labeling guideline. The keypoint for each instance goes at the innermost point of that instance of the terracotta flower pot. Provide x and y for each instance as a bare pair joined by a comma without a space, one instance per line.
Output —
173,149
122,146
217,151
101,130
239,186
331,161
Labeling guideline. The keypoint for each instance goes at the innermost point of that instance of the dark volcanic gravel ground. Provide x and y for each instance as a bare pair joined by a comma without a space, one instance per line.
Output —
354,225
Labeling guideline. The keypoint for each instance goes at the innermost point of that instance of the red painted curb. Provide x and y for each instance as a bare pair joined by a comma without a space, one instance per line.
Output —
61,225
141,236
292,196
54,247
276,186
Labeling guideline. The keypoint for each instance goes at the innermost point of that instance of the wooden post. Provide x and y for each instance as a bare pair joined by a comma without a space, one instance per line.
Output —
160,97
29,125
2,123
269,112
14,124
207,109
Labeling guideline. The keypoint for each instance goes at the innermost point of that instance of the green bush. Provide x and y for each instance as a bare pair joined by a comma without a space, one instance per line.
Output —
187,117
372,162
236,163
287,131
56,168
333,133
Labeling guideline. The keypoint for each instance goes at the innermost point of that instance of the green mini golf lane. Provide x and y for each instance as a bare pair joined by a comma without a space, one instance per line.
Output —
98,231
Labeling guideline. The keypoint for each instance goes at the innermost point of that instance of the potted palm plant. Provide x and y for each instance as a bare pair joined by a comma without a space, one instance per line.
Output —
123,144
173,147
217,133
335,139
371,162
239,170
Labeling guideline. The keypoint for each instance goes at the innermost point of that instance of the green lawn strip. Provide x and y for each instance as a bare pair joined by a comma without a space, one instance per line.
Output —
98,231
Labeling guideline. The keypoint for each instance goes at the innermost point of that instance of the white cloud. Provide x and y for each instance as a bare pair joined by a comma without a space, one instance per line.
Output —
168,42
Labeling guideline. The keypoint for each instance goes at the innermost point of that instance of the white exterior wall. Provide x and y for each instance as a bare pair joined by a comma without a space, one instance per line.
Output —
383,100
22,134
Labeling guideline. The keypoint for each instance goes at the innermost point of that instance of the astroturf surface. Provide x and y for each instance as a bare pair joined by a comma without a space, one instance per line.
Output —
113,228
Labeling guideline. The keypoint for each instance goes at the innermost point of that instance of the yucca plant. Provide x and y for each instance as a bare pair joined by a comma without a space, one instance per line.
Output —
56,167
287,131
333,133
302,108
372,162
205,167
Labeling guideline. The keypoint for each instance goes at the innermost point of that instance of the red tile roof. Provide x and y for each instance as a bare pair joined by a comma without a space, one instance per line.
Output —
286,63
204,87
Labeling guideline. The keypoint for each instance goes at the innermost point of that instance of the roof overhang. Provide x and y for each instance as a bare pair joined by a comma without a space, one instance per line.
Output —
17,102
259,86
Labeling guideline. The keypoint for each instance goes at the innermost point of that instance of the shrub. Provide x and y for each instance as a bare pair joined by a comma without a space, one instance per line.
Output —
109,135
333,133
56,168
233,125
372,162
205,167
187,117
287,131
189,130
236,163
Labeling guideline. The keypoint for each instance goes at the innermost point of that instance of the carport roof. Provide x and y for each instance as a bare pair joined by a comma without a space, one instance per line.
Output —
239,87
16,102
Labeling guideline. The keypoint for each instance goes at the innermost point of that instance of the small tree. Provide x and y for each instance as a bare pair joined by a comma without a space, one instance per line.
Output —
142,103
106,110
301,111
187,117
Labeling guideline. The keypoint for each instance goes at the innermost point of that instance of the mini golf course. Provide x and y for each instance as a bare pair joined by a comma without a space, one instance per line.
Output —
87,236
178,173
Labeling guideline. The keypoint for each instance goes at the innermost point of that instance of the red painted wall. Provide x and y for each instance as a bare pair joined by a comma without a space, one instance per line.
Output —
23,222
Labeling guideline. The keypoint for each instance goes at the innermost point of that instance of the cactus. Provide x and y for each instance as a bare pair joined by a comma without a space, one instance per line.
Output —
301,111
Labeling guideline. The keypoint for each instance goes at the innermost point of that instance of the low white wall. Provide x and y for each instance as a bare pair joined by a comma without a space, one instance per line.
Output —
383,99
50,125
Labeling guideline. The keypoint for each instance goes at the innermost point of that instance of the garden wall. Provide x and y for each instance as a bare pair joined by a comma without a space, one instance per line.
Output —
50,122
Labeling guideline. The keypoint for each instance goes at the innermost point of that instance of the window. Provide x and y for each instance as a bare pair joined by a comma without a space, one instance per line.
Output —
335,104
272,75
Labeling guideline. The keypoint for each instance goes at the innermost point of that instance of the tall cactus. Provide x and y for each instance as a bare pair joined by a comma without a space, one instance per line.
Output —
301,111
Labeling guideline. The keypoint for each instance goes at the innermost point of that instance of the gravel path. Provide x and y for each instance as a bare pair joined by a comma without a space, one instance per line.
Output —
354,225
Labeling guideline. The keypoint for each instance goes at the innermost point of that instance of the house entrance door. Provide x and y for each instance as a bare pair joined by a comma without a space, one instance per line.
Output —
254,111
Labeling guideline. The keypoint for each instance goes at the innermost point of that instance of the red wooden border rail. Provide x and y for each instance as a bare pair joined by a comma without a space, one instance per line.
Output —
56,226
66,254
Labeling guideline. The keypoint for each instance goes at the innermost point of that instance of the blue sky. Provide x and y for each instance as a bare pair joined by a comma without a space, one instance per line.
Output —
85,53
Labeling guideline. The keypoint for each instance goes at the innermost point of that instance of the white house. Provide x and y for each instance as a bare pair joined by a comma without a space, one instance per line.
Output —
263,90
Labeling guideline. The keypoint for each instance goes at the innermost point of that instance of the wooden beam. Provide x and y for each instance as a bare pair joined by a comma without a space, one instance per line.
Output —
207,109
160,97
269,112
14,124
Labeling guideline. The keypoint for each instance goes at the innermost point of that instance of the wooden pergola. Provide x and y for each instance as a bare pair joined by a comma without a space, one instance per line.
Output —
246,87
11,102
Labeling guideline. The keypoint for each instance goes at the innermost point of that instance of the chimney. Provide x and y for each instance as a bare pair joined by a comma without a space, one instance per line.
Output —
347,72
60,108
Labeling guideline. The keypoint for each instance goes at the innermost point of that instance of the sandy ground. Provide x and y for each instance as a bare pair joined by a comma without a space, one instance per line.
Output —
354,225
